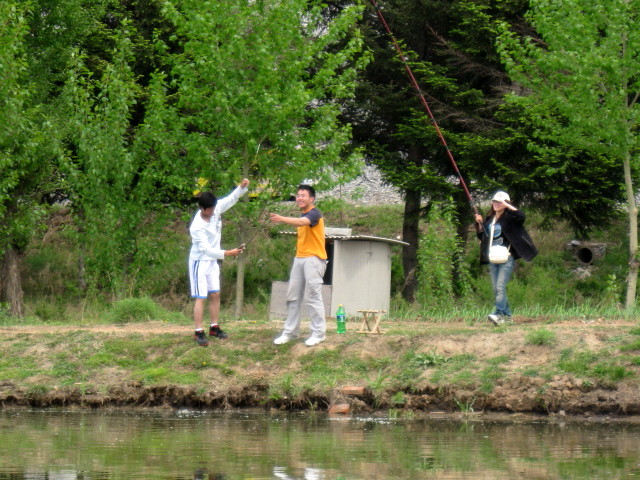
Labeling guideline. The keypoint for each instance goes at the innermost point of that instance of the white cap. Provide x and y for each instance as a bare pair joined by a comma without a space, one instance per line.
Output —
501,196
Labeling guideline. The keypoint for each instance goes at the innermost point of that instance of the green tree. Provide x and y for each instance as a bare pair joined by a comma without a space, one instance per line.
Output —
15,166
259,87
31,52
37,39
449,47
100,168
123,170
581,74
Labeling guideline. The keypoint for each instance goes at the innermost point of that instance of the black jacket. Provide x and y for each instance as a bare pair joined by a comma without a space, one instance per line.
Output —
513,229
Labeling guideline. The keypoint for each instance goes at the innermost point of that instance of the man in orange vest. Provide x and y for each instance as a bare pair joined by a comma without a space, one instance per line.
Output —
309,265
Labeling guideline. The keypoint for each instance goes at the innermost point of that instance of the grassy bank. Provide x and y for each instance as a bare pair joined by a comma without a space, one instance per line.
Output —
570,349
573,366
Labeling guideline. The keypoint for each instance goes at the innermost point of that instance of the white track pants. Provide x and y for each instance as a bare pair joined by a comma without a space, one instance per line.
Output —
305,286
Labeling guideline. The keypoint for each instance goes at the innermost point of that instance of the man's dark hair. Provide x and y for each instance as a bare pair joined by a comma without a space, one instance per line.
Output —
308,188
207,200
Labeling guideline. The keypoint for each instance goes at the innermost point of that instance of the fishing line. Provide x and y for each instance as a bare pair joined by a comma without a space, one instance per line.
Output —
415,85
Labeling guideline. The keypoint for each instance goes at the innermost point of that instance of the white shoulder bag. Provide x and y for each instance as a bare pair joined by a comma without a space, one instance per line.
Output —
497,253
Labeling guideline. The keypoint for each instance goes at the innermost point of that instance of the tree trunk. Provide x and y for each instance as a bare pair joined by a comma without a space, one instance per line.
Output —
82,270
632,277
239,306
12,284
240,283
411,235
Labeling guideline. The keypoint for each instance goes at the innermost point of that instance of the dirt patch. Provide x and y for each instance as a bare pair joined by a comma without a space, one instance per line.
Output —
506,352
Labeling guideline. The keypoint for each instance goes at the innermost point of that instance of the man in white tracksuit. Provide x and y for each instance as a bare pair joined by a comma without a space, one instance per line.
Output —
204,272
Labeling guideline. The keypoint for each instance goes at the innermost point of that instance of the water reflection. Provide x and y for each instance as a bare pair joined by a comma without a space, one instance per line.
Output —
308,474
203,474
258,446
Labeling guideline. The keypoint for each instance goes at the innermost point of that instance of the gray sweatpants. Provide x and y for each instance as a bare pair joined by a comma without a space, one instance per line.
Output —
305,285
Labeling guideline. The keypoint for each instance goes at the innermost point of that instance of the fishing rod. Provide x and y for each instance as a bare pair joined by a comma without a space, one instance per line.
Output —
415,85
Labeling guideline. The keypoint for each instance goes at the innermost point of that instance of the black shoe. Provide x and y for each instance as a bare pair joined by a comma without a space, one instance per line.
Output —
216,331
201,338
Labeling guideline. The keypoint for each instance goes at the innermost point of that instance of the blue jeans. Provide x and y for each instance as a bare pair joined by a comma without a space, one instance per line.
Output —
500,275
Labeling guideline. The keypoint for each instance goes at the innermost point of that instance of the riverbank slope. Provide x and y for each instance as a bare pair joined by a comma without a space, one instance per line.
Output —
577,367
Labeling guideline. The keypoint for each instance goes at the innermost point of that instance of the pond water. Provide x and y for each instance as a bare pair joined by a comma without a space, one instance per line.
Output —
70,445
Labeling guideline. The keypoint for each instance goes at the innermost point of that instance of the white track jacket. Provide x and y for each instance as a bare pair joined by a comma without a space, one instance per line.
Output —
205,236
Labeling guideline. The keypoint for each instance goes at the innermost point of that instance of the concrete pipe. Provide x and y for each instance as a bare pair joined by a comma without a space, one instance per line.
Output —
585,255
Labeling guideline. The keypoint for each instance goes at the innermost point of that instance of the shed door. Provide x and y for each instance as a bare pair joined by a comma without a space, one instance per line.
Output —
361,276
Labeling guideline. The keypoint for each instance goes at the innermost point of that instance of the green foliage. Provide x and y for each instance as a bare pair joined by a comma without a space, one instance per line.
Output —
546,288
440,255
580,75
5,314
35,392
456,368
49,310
630,346
493,372
426,360
398,398
541,337
260,87
283,388
65,368
113,185
28,138
131,310
590,364
569,74
136,145
613,373
466,406
576,362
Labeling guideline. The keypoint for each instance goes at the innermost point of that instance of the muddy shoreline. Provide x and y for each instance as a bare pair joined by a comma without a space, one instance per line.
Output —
563,399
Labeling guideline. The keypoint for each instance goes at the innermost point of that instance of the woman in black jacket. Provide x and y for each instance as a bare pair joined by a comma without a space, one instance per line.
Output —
508,231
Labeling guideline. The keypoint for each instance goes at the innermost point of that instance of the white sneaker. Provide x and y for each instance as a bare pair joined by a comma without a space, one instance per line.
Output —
495,319
313,341
282,339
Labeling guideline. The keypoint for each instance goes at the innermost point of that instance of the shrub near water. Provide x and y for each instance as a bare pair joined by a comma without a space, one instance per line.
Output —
132,310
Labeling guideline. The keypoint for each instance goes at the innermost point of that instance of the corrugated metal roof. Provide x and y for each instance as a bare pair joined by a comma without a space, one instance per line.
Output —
371,238
367,237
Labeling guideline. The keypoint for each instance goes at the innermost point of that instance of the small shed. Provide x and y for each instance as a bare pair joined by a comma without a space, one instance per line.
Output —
358,274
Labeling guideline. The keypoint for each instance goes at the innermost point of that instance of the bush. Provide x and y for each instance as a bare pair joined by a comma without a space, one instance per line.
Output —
541,336
131,310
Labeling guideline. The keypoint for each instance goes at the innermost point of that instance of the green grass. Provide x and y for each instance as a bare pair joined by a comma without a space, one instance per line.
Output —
458,369
541,337
577,363
135,310
77,360
591,364
635,345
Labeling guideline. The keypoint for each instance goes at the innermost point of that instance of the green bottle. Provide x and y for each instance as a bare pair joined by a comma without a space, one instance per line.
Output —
341,320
